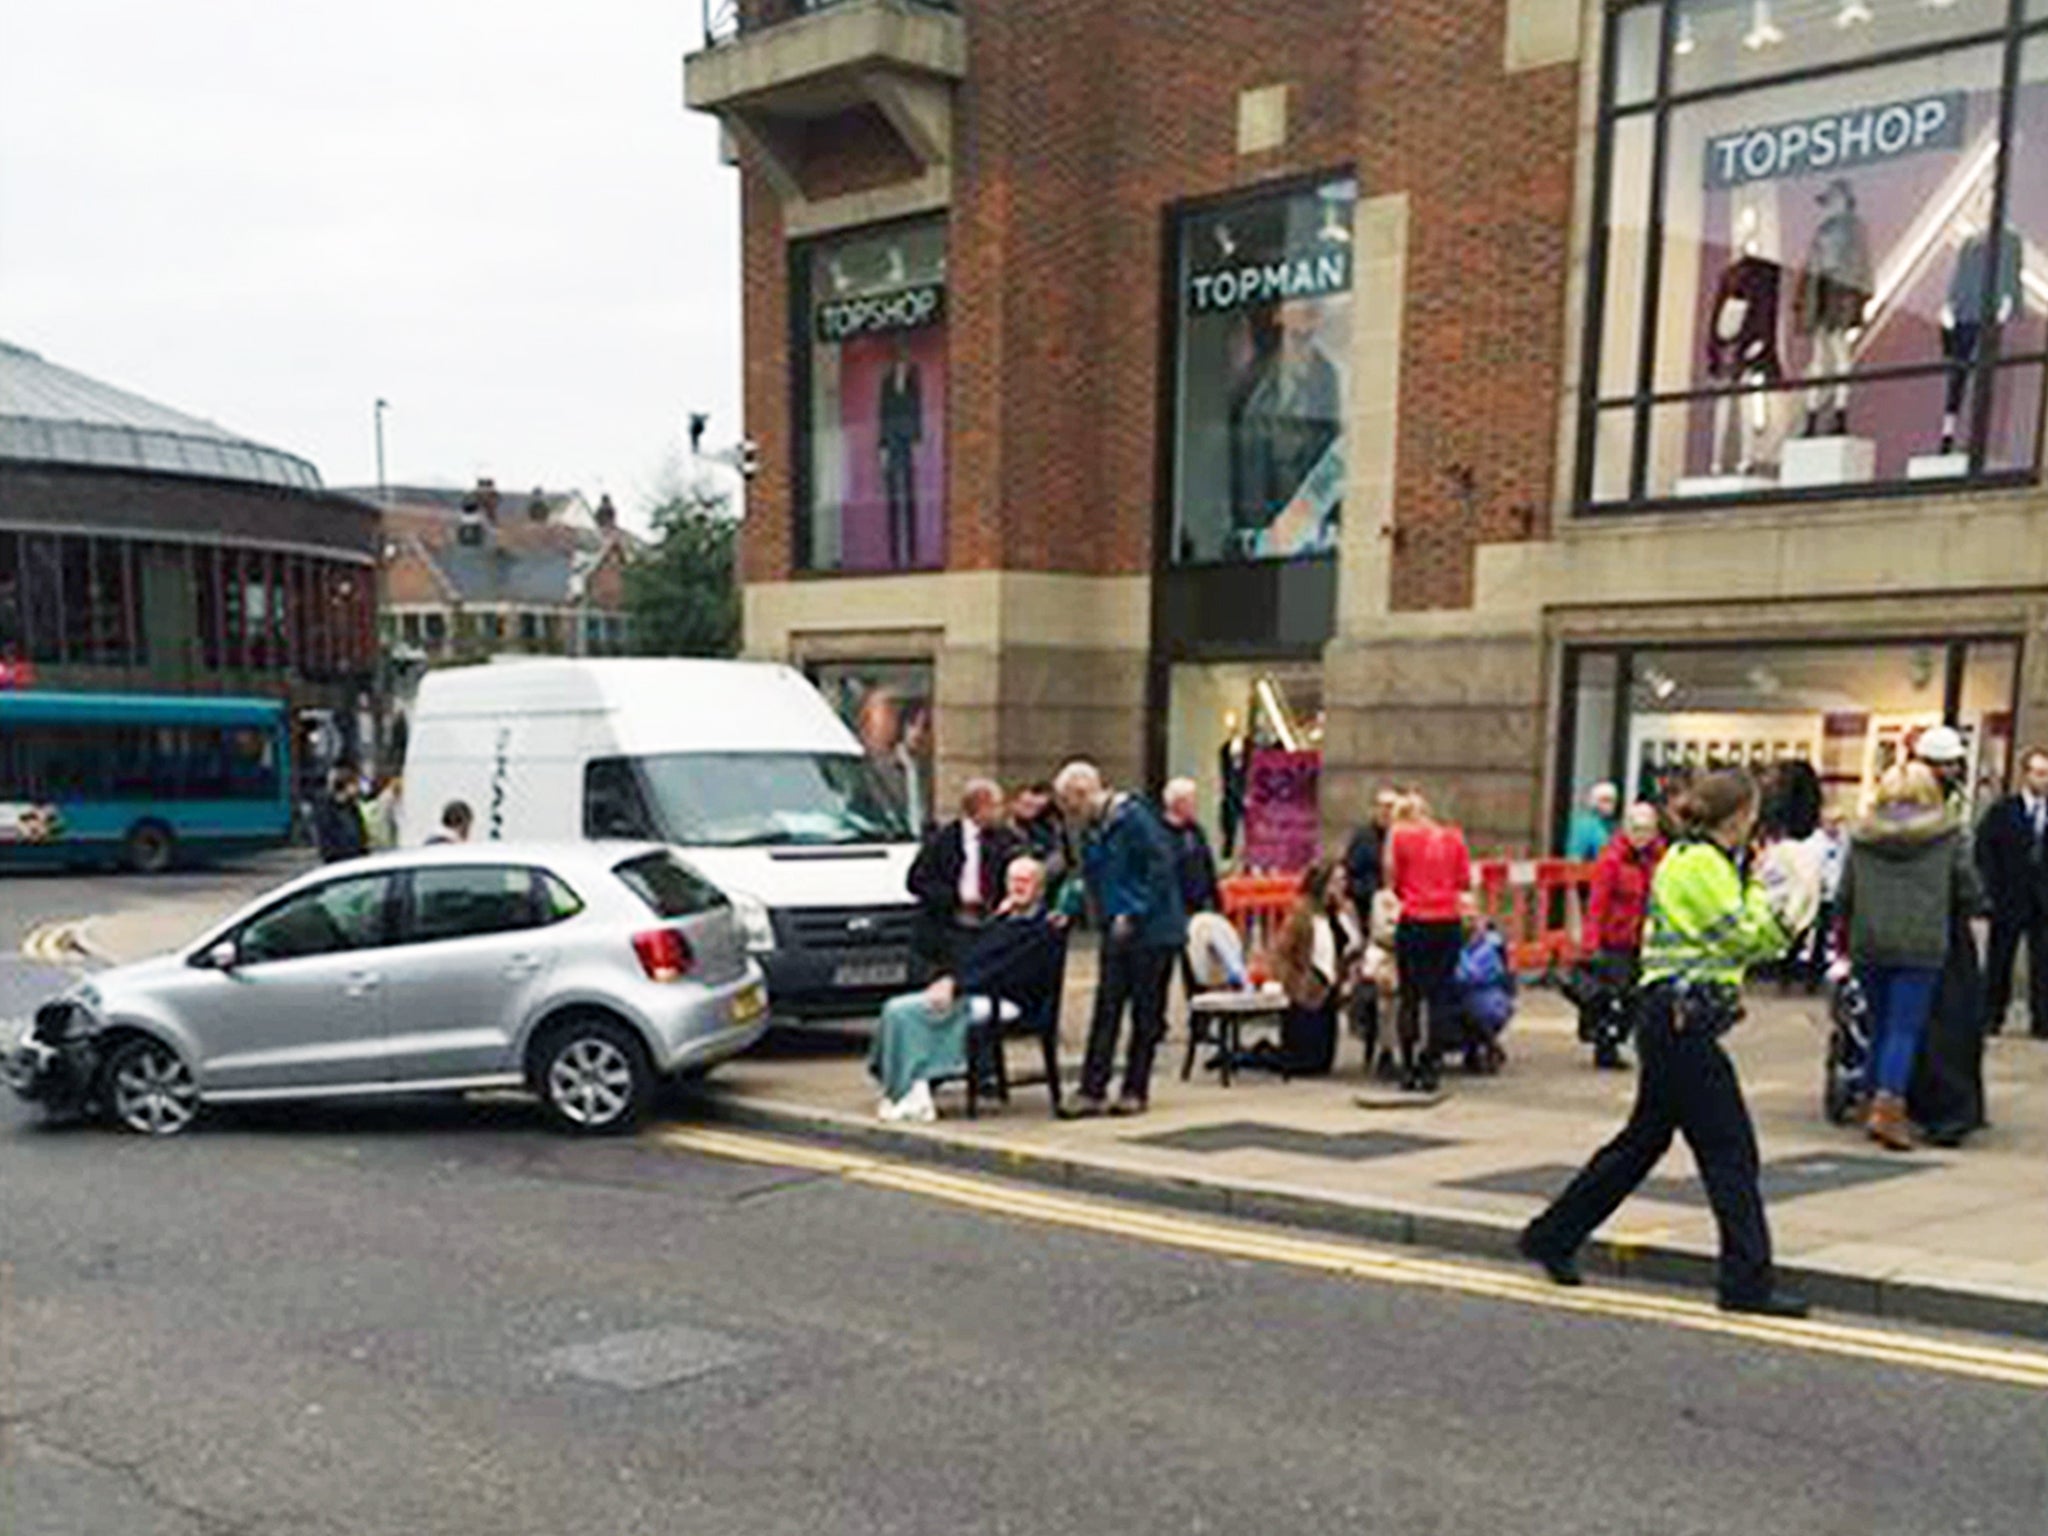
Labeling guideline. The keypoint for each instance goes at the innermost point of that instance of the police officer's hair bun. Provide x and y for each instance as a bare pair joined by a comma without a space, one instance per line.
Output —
1713,801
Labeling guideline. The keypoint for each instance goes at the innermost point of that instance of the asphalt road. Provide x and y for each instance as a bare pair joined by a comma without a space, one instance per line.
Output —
430,1318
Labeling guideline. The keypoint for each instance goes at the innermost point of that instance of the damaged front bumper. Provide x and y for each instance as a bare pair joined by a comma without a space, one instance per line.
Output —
56,1064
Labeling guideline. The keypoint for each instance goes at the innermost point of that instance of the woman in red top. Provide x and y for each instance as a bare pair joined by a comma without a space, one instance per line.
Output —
1430,869
1616,908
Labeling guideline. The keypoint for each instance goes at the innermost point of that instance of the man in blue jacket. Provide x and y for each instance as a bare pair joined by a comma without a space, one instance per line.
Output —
1133,883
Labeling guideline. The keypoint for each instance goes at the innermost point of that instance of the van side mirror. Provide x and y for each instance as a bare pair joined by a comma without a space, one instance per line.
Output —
224,956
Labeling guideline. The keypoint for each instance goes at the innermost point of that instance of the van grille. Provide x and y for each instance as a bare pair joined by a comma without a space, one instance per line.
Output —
845,927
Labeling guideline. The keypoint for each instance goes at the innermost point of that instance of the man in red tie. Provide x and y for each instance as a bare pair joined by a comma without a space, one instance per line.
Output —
957,877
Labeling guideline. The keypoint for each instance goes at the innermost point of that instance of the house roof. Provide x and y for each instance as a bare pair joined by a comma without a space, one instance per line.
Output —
486,575
52,415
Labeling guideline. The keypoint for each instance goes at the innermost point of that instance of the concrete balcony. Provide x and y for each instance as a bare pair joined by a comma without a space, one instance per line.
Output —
805,86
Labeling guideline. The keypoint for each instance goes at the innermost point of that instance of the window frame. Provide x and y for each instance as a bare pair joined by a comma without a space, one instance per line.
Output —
539,900
2012,34
387,922
802,561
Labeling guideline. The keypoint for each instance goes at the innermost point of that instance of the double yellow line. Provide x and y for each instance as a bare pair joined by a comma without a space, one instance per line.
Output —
54,944
2013,1367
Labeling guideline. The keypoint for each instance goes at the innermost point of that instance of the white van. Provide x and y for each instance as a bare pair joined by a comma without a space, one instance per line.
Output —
741,766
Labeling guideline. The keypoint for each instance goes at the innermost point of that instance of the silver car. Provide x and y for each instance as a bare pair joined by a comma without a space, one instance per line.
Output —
588,973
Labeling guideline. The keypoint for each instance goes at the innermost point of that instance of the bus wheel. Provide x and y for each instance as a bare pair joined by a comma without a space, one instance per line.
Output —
150,848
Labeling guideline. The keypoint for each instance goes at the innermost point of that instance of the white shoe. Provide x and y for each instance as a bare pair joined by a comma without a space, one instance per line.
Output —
888,1111
917,1105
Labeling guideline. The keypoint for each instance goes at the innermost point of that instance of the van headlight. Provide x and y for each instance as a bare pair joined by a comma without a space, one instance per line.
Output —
755,924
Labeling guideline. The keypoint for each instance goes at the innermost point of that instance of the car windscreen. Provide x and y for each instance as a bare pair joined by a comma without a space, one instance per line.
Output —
757,799
669,886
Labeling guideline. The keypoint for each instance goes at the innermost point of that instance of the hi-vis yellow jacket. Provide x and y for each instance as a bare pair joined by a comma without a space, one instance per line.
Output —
1706,923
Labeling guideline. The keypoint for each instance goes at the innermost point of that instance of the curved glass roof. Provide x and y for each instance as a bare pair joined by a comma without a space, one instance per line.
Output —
50,415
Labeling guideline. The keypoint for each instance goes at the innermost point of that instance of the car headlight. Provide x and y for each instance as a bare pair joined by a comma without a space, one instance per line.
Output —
755,924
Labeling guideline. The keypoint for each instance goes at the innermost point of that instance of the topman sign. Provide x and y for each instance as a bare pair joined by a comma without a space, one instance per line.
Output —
1837,142
1268,282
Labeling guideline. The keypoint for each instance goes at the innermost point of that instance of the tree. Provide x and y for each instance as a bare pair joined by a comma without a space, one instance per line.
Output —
682,592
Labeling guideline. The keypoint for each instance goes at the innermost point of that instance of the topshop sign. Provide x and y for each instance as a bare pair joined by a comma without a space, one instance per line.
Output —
907,309
1836,142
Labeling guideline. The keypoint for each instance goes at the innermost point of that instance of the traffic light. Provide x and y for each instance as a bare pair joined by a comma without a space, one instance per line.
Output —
699,423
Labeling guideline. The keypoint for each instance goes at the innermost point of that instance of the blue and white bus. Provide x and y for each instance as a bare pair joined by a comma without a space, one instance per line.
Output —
141,780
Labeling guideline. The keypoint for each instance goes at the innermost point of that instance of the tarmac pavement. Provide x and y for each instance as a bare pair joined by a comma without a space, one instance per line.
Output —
1944,1236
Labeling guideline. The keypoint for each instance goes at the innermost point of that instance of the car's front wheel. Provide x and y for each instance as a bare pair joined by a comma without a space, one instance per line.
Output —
150,1090
593,1077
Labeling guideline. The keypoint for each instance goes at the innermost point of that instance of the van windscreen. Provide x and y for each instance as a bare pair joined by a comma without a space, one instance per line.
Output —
758,799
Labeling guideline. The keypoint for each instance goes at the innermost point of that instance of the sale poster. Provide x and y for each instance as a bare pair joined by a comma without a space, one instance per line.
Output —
1282,818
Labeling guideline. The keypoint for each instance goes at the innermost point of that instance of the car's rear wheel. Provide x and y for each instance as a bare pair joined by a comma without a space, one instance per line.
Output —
593,1077
150,1090
150,848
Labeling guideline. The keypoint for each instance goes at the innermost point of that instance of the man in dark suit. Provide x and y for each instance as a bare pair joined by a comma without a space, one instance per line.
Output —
2012,856
957,877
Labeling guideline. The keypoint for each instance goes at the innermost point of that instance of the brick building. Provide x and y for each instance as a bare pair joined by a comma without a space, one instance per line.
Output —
472,574
1500,394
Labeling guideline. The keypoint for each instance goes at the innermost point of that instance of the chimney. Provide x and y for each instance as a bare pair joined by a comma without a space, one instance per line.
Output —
537,506
607,515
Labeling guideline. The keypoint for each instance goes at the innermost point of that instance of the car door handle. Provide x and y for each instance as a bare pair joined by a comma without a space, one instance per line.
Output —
519,967
362,983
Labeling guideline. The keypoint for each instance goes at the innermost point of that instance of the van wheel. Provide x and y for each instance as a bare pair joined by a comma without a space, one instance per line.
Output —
593,1077
150,848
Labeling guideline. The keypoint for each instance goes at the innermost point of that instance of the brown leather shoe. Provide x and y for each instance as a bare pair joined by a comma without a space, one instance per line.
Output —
1887,1124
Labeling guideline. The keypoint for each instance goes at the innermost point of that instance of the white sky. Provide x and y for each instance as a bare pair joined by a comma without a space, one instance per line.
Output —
268,212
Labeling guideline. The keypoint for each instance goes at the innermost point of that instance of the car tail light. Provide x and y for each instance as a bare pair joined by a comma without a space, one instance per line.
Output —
664,954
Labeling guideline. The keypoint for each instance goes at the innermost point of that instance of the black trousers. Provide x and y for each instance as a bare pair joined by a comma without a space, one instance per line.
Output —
899,489
1308,1039
2007,929
1426,954
1136,976
1687,1087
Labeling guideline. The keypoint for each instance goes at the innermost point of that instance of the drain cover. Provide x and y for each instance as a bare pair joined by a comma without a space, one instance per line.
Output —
651,1357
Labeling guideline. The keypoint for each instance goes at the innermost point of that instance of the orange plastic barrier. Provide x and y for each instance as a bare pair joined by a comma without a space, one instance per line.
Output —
1539,906
1257,906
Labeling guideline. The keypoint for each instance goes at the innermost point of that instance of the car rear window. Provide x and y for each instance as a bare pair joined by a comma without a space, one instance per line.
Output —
669,886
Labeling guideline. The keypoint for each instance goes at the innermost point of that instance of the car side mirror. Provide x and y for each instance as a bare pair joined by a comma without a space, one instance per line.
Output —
224,956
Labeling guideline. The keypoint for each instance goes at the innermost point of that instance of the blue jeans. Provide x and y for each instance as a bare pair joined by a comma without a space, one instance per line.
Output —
1901,998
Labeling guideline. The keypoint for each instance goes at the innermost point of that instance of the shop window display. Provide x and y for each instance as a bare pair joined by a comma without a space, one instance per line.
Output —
1824,258
889,706
873,429
1664,715
1262,303
1250,734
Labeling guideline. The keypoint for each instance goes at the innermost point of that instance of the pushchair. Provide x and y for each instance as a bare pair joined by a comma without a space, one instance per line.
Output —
1602,989
1848,1059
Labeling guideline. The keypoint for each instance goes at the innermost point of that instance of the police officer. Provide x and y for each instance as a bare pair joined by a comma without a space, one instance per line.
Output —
1708,923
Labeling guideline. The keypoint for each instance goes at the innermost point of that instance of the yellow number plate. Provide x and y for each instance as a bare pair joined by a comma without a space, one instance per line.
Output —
748,1004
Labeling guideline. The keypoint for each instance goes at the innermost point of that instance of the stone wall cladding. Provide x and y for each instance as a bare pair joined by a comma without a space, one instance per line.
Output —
1080,123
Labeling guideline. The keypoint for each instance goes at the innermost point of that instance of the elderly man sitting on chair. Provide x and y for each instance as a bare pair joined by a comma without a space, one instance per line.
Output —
1015,958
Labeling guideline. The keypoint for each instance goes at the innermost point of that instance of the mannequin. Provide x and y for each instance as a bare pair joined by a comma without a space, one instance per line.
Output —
1963,326
1834,292
1233,776
1742,346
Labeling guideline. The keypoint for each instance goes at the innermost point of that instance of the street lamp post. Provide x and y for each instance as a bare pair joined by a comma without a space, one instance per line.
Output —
382,406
